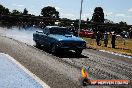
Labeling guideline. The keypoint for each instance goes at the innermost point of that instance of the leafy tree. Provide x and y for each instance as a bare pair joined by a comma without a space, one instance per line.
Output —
122,23
98,15
1,9
108,21
87,19
25,12
16,12
6,11
50,12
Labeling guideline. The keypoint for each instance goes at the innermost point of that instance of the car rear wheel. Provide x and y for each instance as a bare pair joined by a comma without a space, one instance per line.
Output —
38,45
78,52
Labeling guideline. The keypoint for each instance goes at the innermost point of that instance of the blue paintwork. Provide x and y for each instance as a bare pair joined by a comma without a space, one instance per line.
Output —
65,41
66,38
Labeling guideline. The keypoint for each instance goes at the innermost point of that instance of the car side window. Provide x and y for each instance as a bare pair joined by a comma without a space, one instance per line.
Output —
46,31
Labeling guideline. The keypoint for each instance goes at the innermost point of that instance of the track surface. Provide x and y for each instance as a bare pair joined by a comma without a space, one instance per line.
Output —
64,70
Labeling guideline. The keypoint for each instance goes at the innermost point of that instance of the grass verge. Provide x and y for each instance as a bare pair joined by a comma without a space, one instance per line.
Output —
123,46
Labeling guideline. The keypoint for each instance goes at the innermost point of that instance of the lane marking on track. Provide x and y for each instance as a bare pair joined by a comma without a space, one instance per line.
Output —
116,54
43,84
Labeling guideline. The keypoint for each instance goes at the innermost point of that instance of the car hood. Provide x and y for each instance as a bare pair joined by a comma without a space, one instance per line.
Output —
66,38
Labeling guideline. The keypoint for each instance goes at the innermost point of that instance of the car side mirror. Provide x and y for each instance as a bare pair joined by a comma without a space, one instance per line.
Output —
37,31
71,33
47,34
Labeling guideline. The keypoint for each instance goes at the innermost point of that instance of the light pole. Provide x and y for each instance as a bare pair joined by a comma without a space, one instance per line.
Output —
80,17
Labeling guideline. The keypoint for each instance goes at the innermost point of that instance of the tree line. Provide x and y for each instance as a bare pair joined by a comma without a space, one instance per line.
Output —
51,12
48,11
49,15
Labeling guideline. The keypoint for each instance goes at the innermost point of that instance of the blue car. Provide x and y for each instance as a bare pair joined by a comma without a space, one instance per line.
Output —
59,38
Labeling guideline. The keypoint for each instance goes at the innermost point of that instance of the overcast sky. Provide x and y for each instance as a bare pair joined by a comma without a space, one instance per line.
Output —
115,10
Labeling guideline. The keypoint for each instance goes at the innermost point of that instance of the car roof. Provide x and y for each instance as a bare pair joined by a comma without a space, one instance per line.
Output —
54,27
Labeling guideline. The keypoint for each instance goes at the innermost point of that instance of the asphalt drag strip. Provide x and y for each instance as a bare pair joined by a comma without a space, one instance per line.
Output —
54,72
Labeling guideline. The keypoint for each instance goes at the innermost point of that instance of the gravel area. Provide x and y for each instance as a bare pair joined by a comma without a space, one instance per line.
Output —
65,70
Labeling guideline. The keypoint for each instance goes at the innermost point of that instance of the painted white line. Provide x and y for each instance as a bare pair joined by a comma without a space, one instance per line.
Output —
44,85
116,54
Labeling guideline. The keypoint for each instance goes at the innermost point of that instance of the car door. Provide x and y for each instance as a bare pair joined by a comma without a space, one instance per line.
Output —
48,38
42,37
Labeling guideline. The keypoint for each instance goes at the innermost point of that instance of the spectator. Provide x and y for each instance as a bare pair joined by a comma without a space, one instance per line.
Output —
106,38
113,39
130,34
72,30
98,37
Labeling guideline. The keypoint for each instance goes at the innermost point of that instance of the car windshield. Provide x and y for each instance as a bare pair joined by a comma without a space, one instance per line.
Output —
61,31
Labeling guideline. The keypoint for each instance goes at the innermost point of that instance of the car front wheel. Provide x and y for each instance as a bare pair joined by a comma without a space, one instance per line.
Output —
78,52
38,45
53,49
